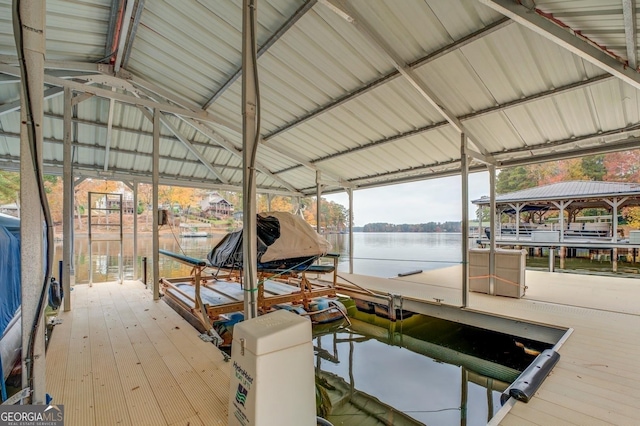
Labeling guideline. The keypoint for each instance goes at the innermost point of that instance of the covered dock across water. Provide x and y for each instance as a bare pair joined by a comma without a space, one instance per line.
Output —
551,216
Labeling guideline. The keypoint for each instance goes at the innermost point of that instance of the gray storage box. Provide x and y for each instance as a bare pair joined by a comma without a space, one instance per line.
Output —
510,272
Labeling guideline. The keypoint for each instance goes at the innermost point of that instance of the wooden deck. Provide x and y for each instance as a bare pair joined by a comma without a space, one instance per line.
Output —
121,358
597,380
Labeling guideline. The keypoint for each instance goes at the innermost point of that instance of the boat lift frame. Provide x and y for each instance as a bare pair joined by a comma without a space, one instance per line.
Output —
206,313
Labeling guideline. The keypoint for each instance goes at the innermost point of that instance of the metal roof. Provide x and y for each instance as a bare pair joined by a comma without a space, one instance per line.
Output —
571,190
366,92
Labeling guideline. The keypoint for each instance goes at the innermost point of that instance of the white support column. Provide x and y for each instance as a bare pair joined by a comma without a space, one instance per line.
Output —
29,26
318,198
615,203
492,226
350,193
67,202
561,205
155,179
517,208
614,220
464,169
269,202
250,134
135,229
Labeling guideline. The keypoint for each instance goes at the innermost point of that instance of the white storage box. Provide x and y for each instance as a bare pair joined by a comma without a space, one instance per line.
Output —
634,237
272,372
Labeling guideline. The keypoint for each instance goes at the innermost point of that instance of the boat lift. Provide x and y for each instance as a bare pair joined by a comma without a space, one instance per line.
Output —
205,297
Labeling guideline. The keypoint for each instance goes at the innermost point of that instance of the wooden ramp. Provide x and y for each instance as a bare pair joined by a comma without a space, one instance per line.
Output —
121,358
597,380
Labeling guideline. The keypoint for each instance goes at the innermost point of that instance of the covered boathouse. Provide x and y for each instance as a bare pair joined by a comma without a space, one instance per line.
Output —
353,95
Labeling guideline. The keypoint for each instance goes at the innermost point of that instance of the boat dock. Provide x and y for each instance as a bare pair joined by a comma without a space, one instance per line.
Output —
121,358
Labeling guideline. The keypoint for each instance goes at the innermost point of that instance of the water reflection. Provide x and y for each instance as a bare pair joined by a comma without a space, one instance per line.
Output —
371,380
105,256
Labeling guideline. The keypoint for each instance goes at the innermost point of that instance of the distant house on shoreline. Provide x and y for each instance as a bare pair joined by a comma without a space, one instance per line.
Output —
215,206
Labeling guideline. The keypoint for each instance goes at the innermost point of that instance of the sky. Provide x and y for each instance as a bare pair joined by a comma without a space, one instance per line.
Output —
434,200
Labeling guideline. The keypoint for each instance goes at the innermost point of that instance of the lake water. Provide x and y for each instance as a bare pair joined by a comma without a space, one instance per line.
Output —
376,254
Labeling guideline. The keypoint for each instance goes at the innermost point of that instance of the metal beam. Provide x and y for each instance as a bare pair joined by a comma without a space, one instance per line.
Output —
111,28
133,31
351,15
302,10
122,36
476,114
565,38
89,67
107,144
15,105
629,17
173,129
206,131
120,150
83,171
132,100
452,167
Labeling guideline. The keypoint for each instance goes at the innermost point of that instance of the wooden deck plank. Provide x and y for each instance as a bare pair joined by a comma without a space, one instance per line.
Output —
188,370
172,401
78,384
57,356
141,403
107,387
550,413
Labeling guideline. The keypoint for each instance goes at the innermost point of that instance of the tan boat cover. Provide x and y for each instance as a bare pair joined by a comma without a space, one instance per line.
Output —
297,239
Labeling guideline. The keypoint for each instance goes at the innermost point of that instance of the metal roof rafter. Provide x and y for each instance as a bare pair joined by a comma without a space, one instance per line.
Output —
302,10
352,16
173,129
632,135
222,142
629,17
54,167
492,109
15,105
565,38
116,150
206,131
194,121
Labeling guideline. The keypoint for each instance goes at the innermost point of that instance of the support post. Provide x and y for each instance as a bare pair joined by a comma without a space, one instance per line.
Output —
135,229
28,28
492,226
552,260
464,169
155,179
350,193
67,202
250,133
318,199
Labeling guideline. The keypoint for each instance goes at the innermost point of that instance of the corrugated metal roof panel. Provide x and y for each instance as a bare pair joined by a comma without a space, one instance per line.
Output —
566,191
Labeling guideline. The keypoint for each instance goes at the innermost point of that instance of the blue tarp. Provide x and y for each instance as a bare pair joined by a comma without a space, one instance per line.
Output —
9,271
